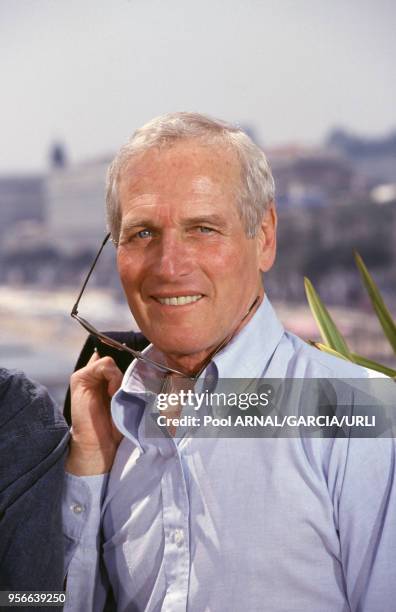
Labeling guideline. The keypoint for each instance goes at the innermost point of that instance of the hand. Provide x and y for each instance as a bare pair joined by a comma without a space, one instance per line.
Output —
95,439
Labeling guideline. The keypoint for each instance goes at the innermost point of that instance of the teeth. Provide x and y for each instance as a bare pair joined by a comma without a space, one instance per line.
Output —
179,301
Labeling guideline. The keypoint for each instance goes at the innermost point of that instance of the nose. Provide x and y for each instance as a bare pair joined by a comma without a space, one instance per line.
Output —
174,257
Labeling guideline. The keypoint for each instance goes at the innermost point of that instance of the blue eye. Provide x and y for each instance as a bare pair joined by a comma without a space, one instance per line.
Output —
205,230
144,233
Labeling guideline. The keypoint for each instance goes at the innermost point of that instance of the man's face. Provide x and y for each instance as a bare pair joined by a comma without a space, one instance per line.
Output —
188,269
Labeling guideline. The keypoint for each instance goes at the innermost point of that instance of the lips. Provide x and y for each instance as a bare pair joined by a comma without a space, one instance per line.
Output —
179,300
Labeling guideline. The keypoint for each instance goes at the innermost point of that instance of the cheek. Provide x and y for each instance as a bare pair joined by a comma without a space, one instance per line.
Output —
122,271
220,256
241,263
229,268
128,273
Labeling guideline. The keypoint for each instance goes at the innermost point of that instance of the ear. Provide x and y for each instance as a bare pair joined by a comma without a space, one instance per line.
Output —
266,242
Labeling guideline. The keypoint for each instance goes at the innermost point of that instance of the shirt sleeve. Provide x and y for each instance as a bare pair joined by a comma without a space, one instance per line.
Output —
81,510
367,524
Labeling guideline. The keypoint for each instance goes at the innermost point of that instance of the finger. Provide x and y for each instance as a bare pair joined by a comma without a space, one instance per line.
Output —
97,371
106,369
94,357
111,373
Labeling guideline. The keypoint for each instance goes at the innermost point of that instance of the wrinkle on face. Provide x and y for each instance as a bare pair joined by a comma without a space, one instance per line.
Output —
156,201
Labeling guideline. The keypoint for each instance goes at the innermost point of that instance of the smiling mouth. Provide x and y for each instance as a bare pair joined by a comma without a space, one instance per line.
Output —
179,300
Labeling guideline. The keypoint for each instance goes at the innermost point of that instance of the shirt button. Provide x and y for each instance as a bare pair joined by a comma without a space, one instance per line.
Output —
178,537
77,508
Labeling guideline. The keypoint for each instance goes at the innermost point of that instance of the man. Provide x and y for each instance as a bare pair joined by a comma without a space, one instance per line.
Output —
188,523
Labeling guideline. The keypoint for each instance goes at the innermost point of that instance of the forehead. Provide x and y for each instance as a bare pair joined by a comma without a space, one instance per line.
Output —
187,166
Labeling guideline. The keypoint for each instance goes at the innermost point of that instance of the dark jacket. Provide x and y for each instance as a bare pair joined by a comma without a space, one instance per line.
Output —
33,442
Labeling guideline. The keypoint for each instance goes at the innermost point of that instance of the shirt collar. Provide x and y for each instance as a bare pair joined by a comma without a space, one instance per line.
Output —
249,352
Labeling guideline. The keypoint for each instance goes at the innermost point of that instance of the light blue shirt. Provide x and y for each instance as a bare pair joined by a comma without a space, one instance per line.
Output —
224,525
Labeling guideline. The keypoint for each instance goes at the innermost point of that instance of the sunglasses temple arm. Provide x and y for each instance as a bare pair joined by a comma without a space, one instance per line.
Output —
75,307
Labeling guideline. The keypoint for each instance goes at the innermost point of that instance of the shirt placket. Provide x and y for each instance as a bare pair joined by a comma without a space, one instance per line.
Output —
176,530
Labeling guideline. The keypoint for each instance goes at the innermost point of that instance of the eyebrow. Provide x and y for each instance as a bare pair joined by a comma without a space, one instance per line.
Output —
213,219
131,224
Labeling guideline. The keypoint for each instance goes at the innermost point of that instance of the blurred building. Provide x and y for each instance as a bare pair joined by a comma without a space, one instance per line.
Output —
374,159
307,177
75,205
21,199
50,227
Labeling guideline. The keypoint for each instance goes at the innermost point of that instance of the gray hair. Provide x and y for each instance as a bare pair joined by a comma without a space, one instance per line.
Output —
257,189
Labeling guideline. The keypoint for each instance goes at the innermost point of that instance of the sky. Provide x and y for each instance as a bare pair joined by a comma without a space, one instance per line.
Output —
89,72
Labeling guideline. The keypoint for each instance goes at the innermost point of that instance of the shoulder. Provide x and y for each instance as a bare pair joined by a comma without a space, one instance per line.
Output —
16,389
311,362
26,403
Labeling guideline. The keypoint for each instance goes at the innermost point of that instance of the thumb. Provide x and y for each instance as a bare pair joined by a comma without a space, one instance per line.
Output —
94,357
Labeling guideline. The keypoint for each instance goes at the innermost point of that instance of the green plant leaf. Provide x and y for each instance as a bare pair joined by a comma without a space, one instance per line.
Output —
382,312
373,365
331,336
358,359
327,349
